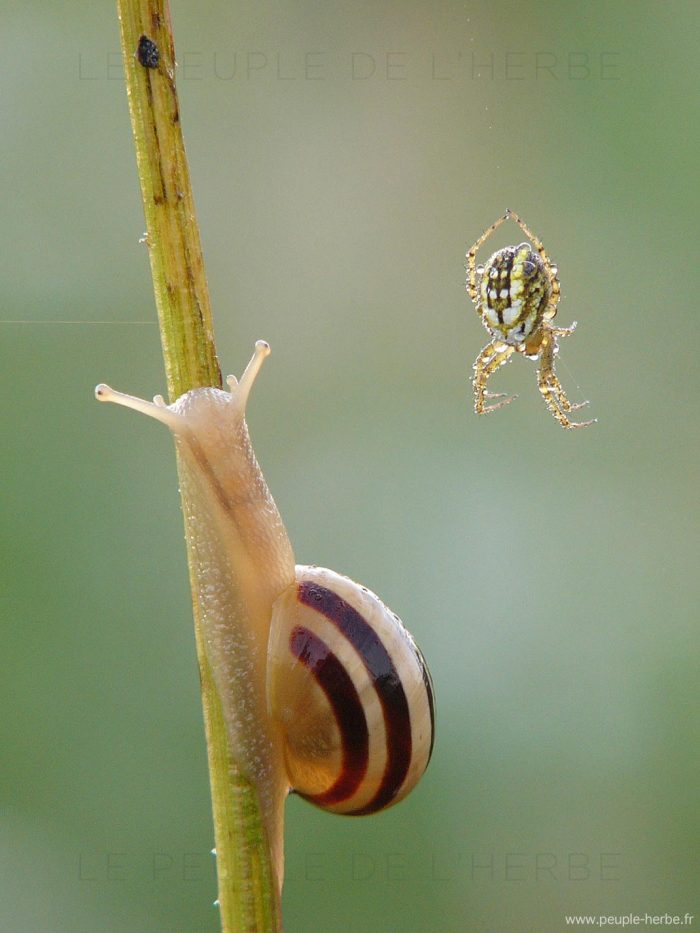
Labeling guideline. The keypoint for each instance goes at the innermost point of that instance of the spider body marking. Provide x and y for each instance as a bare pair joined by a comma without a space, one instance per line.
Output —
516,294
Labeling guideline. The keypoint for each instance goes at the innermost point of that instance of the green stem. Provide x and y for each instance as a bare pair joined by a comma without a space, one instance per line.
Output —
248,896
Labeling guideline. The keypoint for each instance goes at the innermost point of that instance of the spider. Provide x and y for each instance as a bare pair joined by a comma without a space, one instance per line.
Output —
517,293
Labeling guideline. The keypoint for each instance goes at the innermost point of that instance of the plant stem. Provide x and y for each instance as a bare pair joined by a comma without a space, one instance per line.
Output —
177,266
247,892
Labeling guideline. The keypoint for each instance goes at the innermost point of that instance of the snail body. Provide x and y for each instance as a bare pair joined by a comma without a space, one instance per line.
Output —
323,690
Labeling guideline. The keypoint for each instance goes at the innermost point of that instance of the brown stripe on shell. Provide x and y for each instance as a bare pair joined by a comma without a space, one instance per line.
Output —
334,680
386,681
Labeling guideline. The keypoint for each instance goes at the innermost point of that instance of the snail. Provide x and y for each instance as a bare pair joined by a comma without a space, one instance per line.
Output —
338,693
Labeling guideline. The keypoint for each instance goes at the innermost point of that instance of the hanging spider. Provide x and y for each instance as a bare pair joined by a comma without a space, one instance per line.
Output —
517,293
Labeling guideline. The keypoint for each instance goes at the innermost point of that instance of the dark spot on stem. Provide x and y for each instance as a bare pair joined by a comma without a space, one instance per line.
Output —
148,53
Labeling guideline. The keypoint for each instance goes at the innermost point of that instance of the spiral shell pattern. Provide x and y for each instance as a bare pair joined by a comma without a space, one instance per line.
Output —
352,692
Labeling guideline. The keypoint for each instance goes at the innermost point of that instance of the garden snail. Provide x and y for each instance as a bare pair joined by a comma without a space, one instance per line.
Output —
336,688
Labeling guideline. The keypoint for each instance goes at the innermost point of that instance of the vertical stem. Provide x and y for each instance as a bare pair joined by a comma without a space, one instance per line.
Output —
248,896
174,247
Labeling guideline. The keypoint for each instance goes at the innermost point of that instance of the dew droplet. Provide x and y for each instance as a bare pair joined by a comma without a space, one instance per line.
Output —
479,270
555,270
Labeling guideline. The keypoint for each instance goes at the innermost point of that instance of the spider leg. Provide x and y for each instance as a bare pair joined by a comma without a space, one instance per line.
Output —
557,387
494,355
551,269
564,331
471,258
552,391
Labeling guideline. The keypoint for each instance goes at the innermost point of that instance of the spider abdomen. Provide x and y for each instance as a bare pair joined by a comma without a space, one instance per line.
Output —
514,291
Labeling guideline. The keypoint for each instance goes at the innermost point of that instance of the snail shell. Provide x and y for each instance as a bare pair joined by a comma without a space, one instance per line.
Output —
352,693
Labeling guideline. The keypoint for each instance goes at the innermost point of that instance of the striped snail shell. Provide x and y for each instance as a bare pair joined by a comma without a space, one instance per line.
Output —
352,693
322,689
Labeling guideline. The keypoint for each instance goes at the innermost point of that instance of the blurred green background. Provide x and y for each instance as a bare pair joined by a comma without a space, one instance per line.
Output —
551,577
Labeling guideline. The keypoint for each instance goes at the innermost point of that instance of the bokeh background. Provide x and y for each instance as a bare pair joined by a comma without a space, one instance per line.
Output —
344,157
